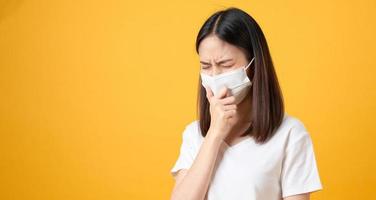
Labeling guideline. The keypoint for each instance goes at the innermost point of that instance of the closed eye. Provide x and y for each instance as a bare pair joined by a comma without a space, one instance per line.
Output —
223,64
205,67
227,66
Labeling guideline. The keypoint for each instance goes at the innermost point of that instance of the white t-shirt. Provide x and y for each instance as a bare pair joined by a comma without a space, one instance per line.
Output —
283,166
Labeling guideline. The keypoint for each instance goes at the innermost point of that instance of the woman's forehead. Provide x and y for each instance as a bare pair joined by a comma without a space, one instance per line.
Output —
213,48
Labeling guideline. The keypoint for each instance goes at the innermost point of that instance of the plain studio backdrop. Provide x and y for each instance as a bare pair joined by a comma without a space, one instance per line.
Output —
94,95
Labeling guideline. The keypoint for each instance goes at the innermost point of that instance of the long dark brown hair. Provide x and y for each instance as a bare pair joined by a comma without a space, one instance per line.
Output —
238,28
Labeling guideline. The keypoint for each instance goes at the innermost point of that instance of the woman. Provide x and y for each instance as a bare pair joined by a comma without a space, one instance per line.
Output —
244,145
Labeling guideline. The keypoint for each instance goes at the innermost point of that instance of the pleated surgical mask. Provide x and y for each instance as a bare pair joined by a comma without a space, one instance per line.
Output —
235,80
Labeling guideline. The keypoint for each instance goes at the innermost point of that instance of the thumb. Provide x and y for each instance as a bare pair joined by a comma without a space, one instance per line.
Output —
224,92
209,93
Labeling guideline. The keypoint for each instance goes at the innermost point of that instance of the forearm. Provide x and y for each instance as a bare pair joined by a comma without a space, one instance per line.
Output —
196,182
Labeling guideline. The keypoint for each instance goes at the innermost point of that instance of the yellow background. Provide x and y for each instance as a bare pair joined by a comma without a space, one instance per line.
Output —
94,95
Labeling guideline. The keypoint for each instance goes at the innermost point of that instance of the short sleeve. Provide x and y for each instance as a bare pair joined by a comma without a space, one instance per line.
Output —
299,170
187,153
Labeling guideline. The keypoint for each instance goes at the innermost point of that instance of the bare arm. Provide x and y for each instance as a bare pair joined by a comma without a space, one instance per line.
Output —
192,184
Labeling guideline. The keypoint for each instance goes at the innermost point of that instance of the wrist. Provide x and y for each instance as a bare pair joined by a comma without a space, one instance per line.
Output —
214,135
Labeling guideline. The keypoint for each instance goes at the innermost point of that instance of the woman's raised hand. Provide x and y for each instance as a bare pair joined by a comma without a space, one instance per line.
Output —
223,112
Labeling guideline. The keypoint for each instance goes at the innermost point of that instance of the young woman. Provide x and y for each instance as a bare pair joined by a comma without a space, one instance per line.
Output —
243,145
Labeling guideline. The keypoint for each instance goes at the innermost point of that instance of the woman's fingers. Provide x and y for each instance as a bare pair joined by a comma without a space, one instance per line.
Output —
209,93
223,104
229,107
224,100
227,100
223,92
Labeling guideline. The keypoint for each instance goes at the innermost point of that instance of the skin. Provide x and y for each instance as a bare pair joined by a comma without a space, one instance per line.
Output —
228,122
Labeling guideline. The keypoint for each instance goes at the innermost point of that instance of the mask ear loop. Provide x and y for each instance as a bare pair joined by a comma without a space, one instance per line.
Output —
249,64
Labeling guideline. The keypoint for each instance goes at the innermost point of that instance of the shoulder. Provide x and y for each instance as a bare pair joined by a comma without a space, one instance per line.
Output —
192,132
293,124
294,131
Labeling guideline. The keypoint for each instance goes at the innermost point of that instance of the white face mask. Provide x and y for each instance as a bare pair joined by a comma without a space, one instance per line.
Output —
236,81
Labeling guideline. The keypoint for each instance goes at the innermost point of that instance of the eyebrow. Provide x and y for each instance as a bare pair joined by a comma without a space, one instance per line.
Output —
220,62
